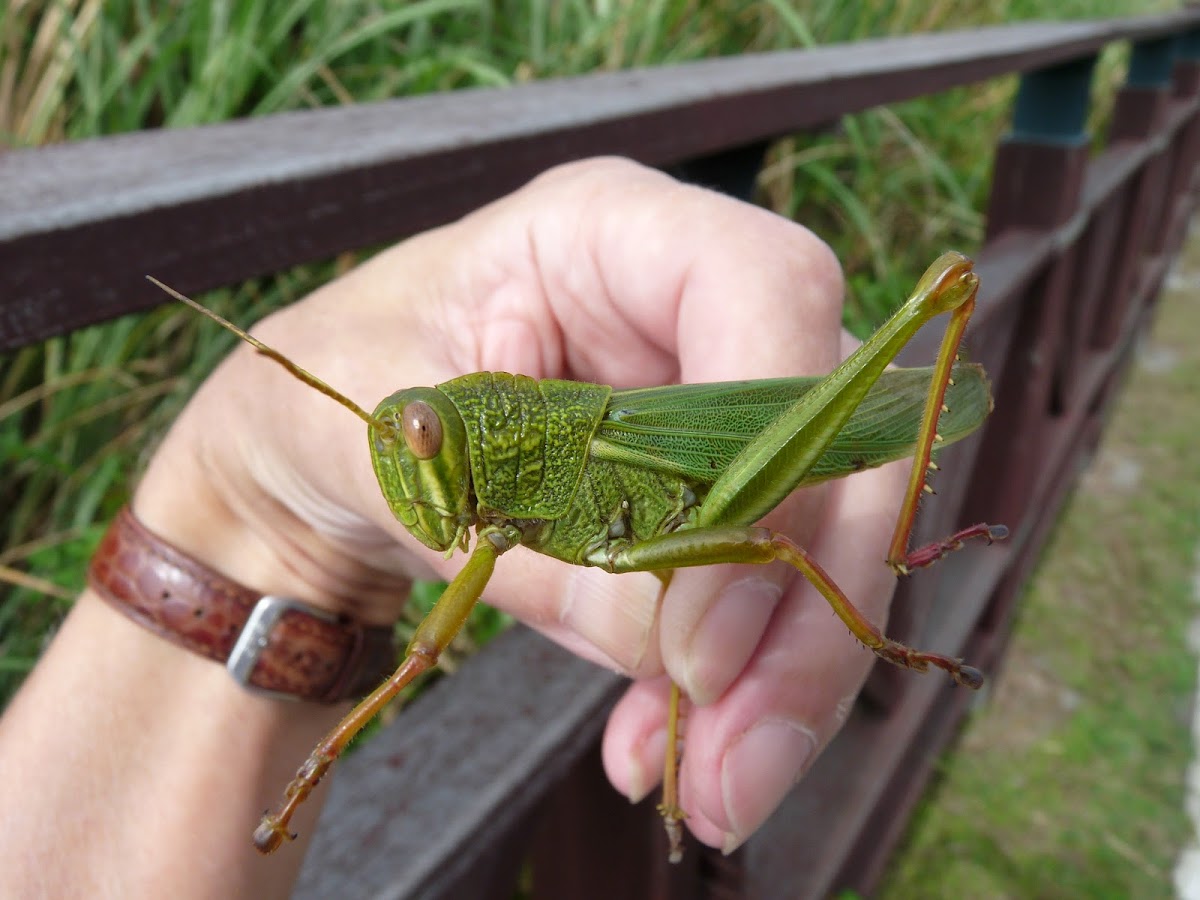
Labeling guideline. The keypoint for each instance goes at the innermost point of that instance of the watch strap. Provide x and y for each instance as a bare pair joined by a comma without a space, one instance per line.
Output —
272,644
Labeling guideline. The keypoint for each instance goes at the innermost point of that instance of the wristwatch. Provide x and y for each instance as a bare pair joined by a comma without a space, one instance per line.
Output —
275,645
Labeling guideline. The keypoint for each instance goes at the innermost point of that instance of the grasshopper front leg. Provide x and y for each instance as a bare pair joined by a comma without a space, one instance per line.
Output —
432,636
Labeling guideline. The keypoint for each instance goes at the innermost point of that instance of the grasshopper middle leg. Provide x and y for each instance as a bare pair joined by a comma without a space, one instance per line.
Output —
751,544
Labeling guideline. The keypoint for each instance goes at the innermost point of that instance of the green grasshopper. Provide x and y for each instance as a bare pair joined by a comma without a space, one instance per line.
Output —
653,479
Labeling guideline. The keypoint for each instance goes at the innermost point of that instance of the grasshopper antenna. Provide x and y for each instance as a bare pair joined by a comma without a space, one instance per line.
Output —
387,432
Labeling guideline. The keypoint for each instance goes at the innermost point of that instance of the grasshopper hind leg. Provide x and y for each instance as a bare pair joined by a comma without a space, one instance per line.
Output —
900,558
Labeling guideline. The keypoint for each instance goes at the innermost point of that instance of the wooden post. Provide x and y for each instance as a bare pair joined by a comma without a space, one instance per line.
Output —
1140,112
1037,185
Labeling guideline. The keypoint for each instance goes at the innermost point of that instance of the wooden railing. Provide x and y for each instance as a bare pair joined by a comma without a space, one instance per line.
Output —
496,771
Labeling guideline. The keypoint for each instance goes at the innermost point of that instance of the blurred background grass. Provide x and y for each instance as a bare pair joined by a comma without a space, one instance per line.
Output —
79,415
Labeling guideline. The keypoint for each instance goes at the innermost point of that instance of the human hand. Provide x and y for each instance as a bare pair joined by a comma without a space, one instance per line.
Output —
600,271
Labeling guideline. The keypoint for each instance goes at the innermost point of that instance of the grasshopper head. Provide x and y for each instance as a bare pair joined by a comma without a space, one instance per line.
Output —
418,448
424,468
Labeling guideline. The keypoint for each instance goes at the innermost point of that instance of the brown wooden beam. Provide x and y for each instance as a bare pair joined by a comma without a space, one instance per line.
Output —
82,223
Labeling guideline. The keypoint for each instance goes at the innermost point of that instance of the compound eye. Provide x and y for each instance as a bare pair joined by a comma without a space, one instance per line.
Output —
422,429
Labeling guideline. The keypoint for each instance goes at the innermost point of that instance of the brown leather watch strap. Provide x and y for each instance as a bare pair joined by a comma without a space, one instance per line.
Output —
289,648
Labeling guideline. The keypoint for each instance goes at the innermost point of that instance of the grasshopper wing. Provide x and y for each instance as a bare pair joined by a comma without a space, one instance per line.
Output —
695,430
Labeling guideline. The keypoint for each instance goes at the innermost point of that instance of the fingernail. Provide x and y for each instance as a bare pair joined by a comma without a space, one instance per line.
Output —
651,752
727,636
758,770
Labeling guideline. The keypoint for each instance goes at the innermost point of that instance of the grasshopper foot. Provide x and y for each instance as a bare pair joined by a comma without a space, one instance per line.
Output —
968,676
673,818
920,661
931,553
270,834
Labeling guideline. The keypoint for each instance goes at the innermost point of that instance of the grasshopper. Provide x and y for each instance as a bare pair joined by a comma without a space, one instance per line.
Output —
654,479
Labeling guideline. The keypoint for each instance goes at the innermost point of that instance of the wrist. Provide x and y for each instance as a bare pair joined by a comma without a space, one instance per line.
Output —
224,500
199,505
154,766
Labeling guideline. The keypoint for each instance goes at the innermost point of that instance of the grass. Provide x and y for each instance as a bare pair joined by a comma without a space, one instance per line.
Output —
80,414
